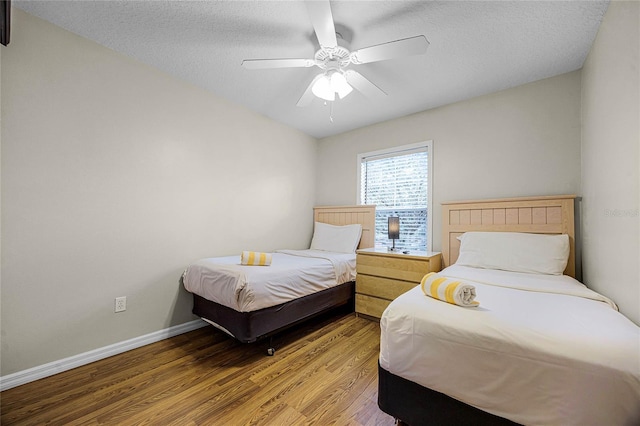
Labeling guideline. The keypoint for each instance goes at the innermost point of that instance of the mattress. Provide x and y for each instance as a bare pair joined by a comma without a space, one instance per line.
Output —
291,275
540,349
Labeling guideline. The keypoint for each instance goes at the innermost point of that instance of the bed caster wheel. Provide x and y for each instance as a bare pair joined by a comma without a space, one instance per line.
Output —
271,351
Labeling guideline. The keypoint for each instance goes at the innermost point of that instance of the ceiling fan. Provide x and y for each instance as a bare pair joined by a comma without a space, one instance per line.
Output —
333,59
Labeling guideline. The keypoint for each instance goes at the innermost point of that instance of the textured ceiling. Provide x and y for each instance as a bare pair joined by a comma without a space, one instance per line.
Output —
476,47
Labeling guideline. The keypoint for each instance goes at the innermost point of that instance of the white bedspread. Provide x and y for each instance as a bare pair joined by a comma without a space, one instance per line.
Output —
539,349
292,274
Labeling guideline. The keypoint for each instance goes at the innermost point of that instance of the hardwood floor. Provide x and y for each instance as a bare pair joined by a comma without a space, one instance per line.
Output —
324,372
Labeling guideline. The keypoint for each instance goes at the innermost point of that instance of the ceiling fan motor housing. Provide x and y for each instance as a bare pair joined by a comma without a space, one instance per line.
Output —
332,57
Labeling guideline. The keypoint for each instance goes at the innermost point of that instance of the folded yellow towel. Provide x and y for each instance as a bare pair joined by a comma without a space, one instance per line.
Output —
448,290
254,258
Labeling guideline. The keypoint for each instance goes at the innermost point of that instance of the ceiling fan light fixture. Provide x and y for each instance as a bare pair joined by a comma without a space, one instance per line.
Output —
339,84
329,84
322,88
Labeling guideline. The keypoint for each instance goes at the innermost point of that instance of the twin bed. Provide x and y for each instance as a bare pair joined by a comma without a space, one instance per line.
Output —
255,302
539,349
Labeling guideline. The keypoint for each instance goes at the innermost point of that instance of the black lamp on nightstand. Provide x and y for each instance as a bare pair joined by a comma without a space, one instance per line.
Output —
393,228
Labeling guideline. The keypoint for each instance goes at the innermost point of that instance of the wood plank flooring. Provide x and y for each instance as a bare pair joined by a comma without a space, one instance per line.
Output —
324,372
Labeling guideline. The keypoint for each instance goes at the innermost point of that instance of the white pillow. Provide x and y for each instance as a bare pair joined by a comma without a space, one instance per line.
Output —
515,251
341,239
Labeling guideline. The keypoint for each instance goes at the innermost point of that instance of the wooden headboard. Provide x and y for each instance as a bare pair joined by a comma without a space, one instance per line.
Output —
537,215
348,215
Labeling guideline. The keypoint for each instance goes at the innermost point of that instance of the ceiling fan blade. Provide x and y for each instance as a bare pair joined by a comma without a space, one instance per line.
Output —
363,85
322,21
254,64
308,95
394,49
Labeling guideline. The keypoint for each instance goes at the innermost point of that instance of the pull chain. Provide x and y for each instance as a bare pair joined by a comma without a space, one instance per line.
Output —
330,110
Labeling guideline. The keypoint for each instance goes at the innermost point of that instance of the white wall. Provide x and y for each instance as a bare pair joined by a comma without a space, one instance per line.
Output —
611,159
114,177
517,142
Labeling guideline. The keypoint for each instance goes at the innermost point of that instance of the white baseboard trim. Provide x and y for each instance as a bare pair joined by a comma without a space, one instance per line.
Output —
21,377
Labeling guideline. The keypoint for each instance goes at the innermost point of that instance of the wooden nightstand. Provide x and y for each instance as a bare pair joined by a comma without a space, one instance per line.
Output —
383,275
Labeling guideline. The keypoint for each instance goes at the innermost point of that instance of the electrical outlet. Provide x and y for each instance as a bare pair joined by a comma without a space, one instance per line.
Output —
121,304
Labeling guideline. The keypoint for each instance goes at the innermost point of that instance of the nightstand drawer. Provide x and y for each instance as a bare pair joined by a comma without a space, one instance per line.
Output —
406,269
371,306
385,288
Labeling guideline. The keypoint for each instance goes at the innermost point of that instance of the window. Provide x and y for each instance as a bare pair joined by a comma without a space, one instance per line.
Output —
398,182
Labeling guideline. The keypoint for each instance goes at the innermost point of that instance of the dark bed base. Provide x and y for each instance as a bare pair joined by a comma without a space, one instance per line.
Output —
247,327
416,405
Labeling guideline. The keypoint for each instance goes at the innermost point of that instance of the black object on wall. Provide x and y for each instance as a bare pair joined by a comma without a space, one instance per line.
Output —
5,21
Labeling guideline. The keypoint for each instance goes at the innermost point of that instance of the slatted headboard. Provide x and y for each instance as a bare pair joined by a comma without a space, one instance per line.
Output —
538,215
348,215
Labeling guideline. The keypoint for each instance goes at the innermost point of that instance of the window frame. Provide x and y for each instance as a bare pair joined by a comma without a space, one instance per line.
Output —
397,151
